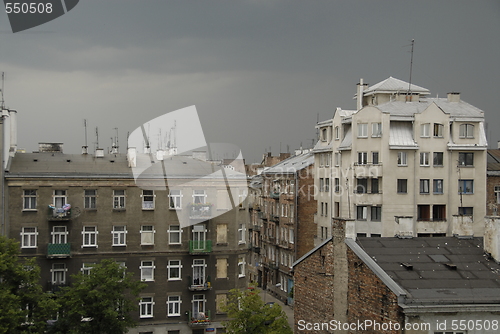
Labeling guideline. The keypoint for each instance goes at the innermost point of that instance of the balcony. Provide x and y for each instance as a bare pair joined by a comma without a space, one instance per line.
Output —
199,319
199,283
262,215
200,247
200,211
275,195
55,287
59,214
59,250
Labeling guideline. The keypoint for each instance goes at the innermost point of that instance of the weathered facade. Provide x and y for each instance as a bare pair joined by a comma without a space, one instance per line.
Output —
493,183
403,164
71,211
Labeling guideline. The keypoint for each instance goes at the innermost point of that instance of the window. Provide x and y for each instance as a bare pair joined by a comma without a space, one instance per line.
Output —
147,235
174,306
220,303
327,184
87,267
118,199
198,302
337,159
174,234
466,131
466,187
425,130
89,236
241,266
438,130
29,237
222,233
146,307
423,212
465,158
402,186
241,233
362,186
437,186
439,212
58,273
29,200
497,194
424,186
437,159
59,235
362,130
328,158
60,198
89,199
147,270
337,133
375,158
119,235
424,158
324,134
174,270
376,129
199,267
321,184
375,186
291,236
337,184
402,159
376,213
175,197
199,197
362,158
465,211
361,211
148,199
221,268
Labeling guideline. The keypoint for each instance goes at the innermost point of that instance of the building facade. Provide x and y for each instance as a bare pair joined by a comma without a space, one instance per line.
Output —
403,163
186,239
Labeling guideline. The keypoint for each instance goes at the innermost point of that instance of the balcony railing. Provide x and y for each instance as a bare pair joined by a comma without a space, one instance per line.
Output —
59,214
199,283
199,319
55,287
200,211
198,247
58,250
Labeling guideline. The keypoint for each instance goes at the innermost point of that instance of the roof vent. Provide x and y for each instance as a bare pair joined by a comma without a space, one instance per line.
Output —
407,265
451,266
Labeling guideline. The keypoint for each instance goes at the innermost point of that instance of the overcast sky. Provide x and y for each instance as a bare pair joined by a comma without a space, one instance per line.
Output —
259,72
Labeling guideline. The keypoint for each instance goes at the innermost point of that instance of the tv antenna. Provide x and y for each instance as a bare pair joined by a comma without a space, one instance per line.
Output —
411,68
2,102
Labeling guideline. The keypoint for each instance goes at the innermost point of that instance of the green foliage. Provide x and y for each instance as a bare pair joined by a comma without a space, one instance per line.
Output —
24,307
249,314
100,302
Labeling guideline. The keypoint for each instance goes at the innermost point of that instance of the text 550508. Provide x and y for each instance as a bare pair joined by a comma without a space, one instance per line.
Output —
28,8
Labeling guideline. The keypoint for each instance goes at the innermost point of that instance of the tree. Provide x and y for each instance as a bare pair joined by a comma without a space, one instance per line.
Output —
249,314
24,307
100,302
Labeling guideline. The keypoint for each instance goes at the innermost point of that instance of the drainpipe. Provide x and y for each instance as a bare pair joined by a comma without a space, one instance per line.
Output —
2,174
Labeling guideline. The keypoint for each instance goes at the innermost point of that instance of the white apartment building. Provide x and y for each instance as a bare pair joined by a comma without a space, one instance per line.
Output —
402,164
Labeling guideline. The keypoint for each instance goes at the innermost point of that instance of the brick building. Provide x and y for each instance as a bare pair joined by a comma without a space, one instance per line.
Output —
187,240
282,227
493,183
393,285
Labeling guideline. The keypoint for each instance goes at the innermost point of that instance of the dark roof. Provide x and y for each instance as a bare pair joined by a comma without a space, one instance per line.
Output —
444,270
493,161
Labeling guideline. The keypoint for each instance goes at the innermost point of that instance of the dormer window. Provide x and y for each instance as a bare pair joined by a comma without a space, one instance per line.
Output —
324,134
466,131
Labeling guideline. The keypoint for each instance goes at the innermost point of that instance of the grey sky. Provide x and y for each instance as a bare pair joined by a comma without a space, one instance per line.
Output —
259,72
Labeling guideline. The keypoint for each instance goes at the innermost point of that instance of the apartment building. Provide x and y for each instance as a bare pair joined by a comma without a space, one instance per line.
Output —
185,238
404,163
282,227
493,182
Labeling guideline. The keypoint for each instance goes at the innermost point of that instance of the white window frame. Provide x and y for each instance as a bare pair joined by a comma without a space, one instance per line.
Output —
59,234
175,199
89,199
173,232
402,158
147,268
425,130
466,131
241,266
146,307
87,268
497,193
425,159
119,199
174,306
377,130
199,196
29,199
148,199
91,233
241,234
174,264
58,269
60,198
362,158
119,234
147,230
362,130
29,237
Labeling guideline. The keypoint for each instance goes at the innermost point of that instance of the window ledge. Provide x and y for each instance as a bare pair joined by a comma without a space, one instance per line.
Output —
29,210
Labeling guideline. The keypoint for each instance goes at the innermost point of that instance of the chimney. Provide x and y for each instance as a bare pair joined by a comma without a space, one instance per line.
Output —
132,157
99,153
359,100
6,137
85,150
13,131
453,97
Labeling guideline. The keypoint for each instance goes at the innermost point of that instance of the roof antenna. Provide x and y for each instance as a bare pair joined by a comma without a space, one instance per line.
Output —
2,102
85,149
411,68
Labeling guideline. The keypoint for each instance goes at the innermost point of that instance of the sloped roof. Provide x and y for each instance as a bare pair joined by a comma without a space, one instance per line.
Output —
292,164
456,109
401,136
493,161
393,85
444,270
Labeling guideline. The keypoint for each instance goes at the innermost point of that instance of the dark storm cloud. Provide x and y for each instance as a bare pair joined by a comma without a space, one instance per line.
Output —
260,72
